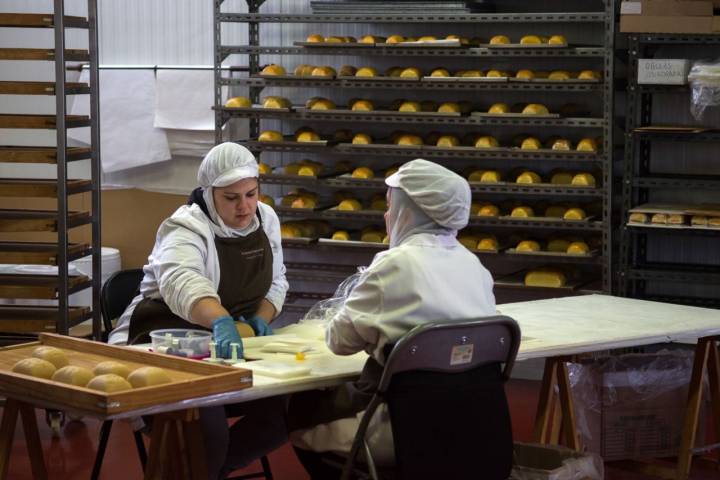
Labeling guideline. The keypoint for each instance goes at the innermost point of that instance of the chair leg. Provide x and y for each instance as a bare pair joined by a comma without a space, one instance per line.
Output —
266,467
102,446
142,454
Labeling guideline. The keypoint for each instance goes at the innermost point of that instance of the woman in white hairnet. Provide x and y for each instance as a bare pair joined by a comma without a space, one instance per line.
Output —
217,264
426,275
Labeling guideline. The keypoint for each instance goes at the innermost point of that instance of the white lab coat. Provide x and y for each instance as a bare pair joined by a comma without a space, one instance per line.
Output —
426,278
183,266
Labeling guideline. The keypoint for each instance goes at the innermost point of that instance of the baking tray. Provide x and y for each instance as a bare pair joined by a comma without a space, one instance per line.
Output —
590,254
293,77
257,108
335,44
352,244
513,115
672,227
530,46
299,240
466,79
545,219
548,80
517,280
378,112
381,78
190,378
293,143
433,44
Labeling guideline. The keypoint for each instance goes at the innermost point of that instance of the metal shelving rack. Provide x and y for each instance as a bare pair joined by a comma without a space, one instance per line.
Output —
639,181
602,57
21,320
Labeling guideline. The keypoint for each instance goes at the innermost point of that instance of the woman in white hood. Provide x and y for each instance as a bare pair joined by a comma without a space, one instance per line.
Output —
217,264
425,276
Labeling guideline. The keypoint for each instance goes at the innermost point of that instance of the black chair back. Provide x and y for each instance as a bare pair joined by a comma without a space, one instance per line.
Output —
444,387
117,293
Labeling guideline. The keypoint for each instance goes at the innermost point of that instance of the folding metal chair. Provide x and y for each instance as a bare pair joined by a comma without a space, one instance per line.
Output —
444,387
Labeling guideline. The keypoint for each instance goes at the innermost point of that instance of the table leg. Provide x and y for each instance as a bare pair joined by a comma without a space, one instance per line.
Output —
572,439
544,413
7,432
176,447
32,438
714,378
556,414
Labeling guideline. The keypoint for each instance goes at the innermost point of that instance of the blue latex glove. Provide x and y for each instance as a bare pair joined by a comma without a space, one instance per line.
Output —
259,326
224,333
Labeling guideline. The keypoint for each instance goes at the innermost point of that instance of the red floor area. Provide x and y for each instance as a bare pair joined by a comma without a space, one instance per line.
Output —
71,456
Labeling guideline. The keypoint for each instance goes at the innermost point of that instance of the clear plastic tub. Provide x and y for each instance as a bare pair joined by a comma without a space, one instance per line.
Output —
181,342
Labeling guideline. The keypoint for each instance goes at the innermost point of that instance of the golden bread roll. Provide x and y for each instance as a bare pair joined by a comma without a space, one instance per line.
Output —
535,109
561,144
303,202
307,136
335,40
530,143
659,218
490,176
238,102
347,71
531,40
488,210
676,219
557,40
427,39
366,72
349,205
558,245
589,75
303,70
270,136
264,169
468,241
372,236
148,376
35,367
111,366
528,177
409,140
315,38
362,139
472,74
449,107
499,108
545,277
309,170
341,235
289,231
53,355
395,39
574,214
109,382
583,179
273,69
522,212
291,169
497,74
528,246
73,375
411,72
555,211
562,178
587,145
267,200
363,172
440,72
486,141
362,106
559,75
578,248
448,141
323,71
499,40
713,222
275,102
487,243
371,39
699,220
475,175
525,74
322,104
410,107
463,40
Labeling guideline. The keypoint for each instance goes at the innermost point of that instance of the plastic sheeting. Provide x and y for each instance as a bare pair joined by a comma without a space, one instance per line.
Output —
704,80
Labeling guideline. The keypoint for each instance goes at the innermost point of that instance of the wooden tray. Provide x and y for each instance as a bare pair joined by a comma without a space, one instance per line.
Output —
33,319
38,253
41,121
42,54
17,154
12,220
27,187
41,88
190,378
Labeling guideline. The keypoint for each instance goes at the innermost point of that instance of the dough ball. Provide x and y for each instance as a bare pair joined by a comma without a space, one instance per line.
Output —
109,382
34,367
148,376
111,366
73,375
51,354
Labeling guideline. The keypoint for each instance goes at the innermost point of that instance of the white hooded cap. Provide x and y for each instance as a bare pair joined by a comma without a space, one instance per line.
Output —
441,194
226,164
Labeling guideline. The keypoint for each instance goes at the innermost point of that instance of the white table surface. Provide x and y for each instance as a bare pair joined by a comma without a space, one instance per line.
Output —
554,327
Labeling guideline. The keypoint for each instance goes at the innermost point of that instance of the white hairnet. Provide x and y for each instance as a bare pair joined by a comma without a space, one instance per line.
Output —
226,164
441,194
405,219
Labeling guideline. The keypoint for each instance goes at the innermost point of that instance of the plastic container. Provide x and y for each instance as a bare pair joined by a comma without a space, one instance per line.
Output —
181,342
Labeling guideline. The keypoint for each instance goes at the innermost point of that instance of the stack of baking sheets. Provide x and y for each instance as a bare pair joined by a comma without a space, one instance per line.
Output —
375,7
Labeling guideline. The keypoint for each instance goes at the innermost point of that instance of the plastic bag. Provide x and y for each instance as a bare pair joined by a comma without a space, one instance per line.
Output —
323,311
553,462
704,81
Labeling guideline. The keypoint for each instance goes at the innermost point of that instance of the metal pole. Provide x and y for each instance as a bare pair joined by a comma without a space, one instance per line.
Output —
95,168
61,146
217,41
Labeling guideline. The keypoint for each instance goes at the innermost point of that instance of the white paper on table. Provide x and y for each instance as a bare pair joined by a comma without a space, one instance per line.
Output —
185,99
128,138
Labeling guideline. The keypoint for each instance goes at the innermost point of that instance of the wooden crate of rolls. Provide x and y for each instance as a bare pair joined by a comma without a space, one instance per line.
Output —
188,378
676,216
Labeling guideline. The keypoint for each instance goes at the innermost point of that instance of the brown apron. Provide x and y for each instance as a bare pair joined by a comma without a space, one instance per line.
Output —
246,273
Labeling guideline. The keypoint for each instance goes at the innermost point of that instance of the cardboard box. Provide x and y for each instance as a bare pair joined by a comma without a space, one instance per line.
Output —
662,24
633,406
551,462
666,8
663,71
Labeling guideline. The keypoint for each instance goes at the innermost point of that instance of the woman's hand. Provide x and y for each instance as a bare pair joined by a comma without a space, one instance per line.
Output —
259,326
224,333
